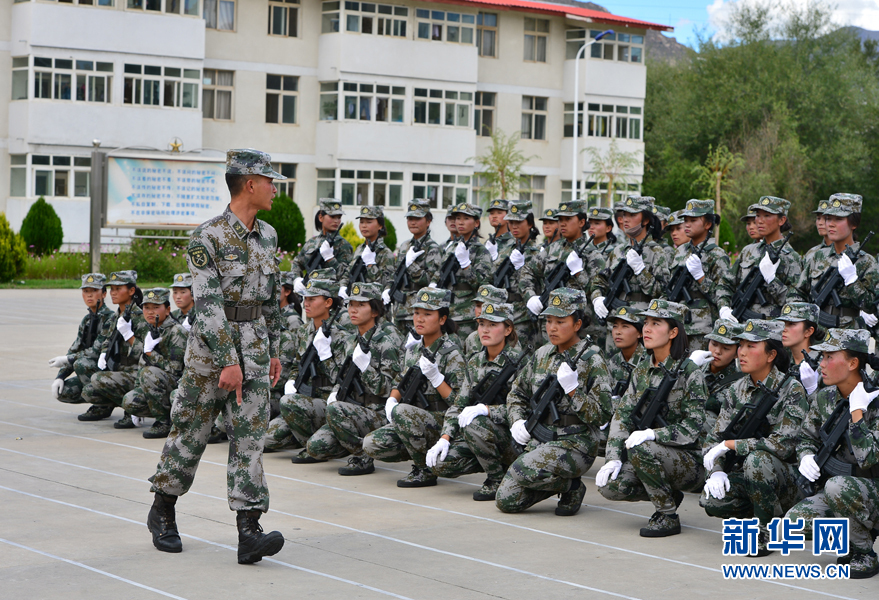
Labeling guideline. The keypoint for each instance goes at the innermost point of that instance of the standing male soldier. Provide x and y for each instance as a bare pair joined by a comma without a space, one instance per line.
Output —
233,347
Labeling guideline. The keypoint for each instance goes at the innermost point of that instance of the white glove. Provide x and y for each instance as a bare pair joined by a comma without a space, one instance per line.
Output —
492,249
520,434
360,358
412,255
860,399
694,266
808,377
368,256
635,261
717,485
58,362
440,449
343,292
102,361
726,314
567,378
599,307
847,269
463,255
124,327
719,450
290,387
411,341
610,470
517,258
636,438
542,250
534,305
333,397
471,412
574,262
869,318
57,386
386,296
186,324
432,284
149,344
768,268
431,371
326,251
322,344
809,468
389,407
701,357
298,286
137,421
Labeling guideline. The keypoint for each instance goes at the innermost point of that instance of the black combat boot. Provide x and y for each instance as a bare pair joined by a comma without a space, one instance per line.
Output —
162,523
253,544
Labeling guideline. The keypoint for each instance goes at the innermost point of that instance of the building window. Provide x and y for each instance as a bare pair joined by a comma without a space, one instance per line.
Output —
481,196
64,79
80,2
358,101
19,77
607,120
441,26
569,119
155,86
216,94
566,190
142,85
380,19
484,116
284,17
533,118
533,188
281,97
51,176
18,175
329,20
326,183
536,33
363,102
622,47
286,186
329,101
389,103
442,107
634,122
448,189
486,34
176,7
375,188
180,87
599,123
219,14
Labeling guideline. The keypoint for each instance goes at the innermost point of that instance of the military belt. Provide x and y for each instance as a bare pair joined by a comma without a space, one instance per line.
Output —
437,406
242,313
638,297
843,311
871,473
568,421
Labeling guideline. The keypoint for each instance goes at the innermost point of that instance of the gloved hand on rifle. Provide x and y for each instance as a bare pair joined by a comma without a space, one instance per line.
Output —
386,296
333,397
635,261
860,398
326,251
492,249
534,305
567,378
517,258
636,438
124,328
847,270
694,266
290,387
390,403
149,344
322,344
361,359
471,412
710,456
186,324
768,268
58,362
870,319
701,357
574,262
368,256
520,433
57,386
726,314
343,292
299,286
412,255
808,377
599,307
439,451
102,361
610,470
463,255
809,468
431,371
411,341
717,485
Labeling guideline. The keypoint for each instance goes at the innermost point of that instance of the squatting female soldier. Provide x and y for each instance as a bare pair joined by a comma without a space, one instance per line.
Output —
379,260
718,363
800,329
181,293
485,294
422,257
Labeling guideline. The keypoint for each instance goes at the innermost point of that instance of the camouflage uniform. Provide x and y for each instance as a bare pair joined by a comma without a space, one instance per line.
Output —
597,330
554,467
342,250
724,332
664,214
421,270
183,280
291,323
795,312
526,328
485,294
236,284
383,269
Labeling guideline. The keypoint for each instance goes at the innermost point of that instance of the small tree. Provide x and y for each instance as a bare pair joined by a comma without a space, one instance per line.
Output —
391,237
613,167
714,173
501,166
349,233
12,251
288,222
41,228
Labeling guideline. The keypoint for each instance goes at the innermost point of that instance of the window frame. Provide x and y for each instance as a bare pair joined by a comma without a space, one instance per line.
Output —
353,180
25,167
609,48
428,100
215,11
215,88
282,94
533,116
434,186
289,171
482,27
479,110
290,9
538,35
463,23
164,7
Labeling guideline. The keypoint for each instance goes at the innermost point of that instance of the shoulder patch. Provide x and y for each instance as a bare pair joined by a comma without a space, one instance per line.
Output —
199,256
239,229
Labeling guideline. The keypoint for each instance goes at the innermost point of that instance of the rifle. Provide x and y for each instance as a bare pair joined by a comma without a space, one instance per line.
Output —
752,287
653,404
831,434
826,290
681,280
447,278
755,424
114,344
494,391
812,362
401,277
619,281
414,383
557,278
548,241
308,364
316,260
94,327
359,268
506,270
545,399
623,384
349,375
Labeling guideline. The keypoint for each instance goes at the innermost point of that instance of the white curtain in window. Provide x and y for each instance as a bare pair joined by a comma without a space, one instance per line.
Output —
226,18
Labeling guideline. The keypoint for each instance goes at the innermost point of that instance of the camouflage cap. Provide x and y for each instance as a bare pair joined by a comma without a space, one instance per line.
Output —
519,210
156,295
430,298
751,214
724,332
182,280
321,287
798,311
636,204
856,340
771,204
499,204
674,219
325,273
122,278
467,209
550,215
364,292
247,161
698,208
419,207
571,209
662,212
599,213
497,312
489,293
627,314
93,280
330,206
822,206
759,330
665,309
288,278
563,302
370,212
842,205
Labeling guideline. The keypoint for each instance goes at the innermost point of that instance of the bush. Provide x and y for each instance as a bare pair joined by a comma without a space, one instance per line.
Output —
41,228
12,251
287,220
727,236
157,259
349,233
391,238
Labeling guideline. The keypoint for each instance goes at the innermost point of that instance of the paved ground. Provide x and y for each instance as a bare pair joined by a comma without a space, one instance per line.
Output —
74,499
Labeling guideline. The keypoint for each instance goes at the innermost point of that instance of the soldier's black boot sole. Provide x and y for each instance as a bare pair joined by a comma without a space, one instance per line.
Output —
162,524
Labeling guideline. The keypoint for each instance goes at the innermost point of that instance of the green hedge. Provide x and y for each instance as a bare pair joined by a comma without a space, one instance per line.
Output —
41,228
13,254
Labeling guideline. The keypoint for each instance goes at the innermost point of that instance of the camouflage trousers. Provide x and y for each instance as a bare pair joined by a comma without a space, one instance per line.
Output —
347,424
545,470
491,443
300,417
765,487
197,403
654,472
151,396
856,498
107,388
408,437
83,369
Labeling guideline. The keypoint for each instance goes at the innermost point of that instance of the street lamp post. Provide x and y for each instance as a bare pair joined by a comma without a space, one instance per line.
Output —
574,189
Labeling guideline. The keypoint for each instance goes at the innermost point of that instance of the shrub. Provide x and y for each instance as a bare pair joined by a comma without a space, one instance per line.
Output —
287,220
391,238
727,235
41,228
12,251
349,233
157,259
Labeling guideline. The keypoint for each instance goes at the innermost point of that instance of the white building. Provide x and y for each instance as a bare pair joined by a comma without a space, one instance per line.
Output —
373,103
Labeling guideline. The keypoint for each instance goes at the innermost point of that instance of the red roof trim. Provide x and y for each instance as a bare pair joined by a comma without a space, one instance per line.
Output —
559,9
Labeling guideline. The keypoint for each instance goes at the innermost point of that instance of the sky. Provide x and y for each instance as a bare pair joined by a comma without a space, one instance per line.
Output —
689,17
